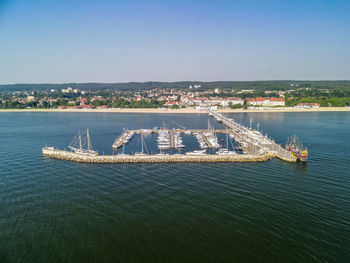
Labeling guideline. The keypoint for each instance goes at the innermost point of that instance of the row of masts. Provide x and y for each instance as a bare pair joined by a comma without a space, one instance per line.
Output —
79,142
248,139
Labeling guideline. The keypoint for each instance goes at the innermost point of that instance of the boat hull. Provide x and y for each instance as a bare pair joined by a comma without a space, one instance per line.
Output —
300,157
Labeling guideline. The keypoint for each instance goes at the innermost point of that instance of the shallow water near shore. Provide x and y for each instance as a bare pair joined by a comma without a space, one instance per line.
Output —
57,211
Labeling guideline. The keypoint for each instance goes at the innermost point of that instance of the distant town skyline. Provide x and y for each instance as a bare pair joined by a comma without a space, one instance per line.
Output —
137,41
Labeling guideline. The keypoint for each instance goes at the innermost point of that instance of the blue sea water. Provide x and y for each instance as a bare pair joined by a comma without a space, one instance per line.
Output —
58,211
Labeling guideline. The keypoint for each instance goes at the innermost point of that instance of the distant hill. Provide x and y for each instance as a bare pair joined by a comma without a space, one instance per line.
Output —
225,85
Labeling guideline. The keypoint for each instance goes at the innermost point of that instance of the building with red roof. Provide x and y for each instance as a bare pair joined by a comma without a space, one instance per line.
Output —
308,105
260,101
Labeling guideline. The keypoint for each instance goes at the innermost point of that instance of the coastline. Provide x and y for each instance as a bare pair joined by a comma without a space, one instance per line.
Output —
286,109
109,110
181,111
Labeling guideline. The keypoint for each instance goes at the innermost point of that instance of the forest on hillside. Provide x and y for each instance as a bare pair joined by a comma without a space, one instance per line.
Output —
223,85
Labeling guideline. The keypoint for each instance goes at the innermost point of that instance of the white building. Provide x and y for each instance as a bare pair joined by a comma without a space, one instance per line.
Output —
267,102
70,90
234,101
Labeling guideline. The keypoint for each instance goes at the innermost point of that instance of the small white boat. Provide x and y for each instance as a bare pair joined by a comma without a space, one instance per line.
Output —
147,131
198,152
163,146
225,152
244,144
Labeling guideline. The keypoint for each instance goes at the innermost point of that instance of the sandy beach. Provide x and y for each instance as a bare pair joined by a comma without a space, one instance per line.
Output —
111,110
285,109
179,111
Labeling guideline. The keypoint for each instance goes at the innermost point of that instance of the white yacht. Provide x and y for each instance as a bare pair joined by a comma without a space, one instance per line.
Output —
198,152
225,152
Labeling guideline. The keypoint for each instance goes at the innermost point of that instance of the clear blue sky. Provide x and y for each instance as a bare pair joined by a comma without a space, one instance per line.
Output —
55,41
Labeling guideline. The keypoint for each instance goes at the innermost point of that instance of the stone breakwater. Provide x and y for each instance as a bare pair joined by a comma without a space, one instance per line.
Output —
74,157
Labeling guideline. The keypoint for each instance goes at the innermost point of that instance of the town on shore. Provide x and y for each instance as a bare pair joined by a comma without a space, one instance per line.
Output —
194,96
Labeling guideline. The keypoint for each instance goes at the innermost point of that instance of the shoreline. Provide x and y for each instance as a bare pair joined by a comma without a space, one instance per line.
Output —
180,111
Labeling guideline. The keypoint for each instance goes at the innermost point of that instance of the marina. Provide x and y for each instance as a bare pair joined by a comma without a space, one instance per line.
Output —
249,146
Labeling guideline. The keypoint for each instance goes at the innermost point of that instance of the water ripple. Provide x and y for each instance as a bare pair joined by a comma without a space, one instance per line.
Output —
56,211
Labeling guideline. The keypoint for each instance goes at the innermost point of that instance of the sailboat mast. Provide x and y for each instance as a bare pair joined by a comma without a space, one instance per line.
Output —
88,139
142,142
226,138
80,144
294,142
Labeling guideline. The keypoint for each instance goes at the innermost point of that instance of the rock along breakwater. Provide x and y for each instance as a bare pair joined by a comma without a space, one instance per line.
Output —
181,158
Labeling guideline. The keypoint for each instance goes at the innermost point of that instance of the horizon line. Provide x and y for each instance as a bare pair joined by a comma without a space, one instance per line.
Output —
177,81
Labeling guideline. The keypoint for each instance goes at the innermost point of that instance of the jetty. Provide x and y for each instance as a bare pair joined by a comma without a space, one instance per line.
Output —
256,146
153,158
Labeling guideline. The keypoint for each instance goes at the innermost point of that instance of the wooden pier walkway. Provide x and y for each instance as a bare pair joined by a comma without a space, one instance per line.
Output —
252,141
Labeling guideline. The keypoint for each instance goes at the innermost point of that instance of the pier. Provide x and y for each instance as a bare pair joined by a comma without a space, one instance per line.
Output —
252,141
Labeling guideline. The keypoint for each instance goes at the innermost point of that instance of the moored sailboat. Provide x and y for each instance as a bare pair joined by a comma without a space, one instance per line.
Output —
81,141
142,147
296,148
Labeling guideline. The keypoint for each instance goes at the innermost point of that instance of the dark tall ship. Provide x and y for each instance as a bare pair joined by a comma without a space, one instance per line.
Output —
295,146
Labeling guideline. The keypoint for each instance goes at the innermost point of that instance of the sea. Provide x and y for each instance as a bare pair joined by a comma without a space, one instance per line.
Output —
59,211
